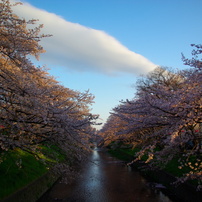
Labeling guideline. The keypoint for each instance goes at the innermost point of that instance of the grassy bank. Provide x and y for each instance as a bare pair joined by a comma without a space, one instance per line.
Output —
183,192
127,154
19,168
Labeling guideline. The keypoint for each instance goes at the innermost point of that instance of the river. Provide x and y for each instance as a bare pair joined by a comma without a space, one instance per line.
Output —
105,179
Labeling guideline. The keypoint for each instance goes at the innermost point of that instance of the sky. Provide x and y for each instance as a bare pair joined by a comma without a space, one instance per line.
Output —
105,45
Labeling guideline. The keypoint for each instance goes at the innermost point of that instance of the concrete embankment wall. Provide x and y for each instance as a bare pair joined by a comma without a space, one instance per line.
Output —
33,191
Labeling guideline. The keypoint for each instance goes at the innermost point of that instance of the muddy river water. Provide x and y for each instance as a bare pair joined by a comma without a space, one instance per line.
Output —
105,179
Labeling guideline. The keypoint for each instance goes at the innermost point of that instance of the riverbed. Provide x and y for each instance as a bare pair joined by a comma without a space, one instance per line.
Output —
106,179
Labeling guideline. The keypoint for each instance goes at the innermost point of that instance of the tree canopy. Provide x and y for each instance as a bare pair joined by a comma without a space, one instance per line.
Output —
34,107
164,118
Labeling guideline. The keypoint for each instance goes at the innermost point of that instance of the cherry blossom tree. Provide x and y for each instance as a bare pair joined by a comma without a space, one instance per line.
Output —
17,41
109,132
34,107
164,118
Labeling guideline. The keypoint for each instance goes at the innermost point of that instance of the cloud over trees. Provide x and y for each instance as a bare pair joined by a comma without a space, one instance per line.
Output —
81,48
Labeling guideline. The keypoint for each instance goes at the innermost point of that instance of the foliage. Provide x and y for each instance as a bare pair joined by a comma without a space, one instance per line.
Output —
34,107
164,118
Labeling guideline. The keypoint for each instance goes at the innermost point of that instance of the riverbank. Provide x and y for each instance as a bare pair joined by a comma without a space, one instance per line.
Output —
34,190
24,173
183,193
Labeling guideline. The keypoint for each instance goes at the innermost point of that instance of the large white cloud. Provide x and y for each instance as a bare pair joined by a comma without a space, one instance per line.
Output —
80,48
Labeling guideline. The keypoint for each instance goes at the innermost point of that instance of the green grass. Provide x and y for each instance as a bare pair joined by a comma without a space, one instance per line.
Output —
19,168
15,176
123,154
51,153
172,167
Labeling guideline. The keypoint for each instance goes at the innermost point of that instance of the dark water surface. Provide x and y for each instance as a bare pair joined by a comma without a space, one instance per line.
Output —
105,179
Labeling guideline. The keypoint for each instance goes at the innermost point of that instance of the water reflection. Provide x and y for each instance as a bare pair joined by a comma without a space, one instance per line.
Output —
90,186
105,179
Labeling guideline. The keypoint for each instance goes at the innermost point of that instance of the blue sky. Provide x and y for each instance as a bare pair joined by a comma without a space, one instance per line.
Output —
104,45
